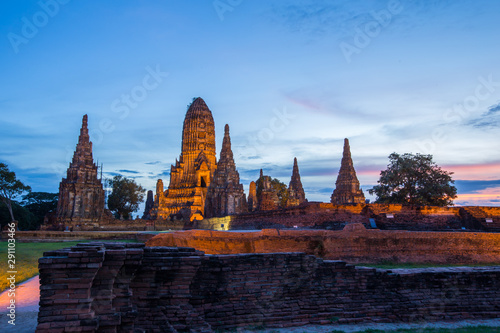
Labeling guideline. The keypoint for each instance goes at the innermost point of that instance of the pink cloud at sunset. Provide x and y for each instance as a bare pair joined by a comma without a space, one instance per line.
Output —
475,172
486,197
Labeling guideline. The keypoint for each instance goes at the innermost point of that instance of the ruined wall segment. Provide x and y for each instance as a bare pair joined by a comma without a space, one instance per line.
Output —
129,288
225,195
192,174
253,202
347,189
267,196
354,244
81,194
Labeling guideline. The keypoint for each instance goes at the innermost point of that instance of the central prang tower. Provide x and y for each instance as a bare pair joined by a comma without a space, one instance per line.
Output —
193,172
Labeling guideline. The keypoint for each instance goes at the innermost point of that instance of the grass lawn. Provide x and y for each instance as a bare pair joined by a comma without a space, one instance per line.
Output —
27,255
390,265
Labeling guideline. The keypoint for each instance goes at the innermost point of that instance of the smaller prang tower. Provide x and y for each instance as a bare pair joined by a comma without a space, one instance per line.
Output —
296,194
225,195
347,190
81,194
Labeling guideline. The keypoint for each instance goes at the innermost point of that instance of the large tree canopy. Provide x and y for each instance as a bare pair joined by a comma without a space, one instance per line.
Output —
125,197
26,219
414,180
40,203
10,187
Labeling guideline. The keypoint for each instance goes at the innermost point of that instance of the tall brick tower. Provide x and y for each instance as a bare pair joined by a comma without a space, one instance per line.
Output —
225,194
296,194
81,195
347,190
192,174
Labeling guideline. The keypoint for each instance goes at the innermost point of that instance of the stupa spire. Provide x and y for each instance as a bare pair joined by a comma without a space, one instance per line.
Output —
83,151
347,188
225,195
295,189
81,194
226,152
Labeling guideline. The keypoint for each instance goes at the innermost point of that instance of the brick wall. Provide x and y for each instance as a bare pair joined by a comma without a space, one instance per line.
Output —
326,216
129,288
355,244
386,216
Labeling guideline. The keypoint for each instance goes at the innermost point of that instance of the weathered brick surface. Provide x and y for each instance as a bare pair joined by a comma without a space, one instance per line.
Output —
354,244
134,289
386,216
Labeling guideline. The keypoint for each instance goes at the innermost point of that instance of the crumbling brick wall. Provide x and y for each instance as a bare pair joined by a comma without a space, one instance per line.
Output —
129,288
354,244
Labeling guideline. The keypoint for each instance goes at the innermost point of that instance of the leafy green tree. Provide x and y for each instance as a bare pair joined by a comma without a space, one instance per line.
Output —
414,180
279,187
40,203
26,220
125,197
10,187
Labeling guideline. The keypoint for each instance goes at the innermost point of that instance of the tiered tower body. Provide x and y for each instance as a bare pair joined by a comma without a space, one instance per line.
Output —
81,194
149,205
296,194
192,174
225,194
347,190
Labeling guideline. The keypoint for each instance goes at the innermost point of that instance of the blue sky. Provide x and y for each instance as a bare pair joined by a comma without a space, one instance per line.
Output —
292,79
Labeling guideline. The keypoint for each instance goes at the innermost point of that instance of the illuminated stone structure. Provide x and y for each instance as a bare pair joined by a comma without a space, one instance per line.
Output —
81,194
347,190
192,174
253,202
296,194
225,195
266,194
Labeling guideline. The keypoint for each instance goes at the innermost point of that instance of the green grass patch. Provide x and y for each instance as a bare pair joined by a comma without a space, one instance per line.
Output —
27,255
391,265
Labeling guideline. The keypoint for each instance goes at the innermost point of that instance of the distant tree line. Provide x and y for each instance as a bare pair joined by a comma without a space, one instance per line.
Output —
19,203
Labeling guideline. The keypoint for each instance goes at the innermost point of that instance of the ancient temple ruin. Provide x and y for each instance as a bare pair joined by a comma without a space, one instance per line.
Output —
267,195
148,206
225,195
253,202
192,174
347,190
296,194
81,194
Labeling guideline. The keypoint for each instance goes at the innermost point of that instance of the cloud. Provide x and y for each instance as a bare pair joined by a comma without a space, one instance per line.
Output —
153,163
478,192
468,172
111,174
164,173
473,186
493,109
129,171
489,119
318,18
485,197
